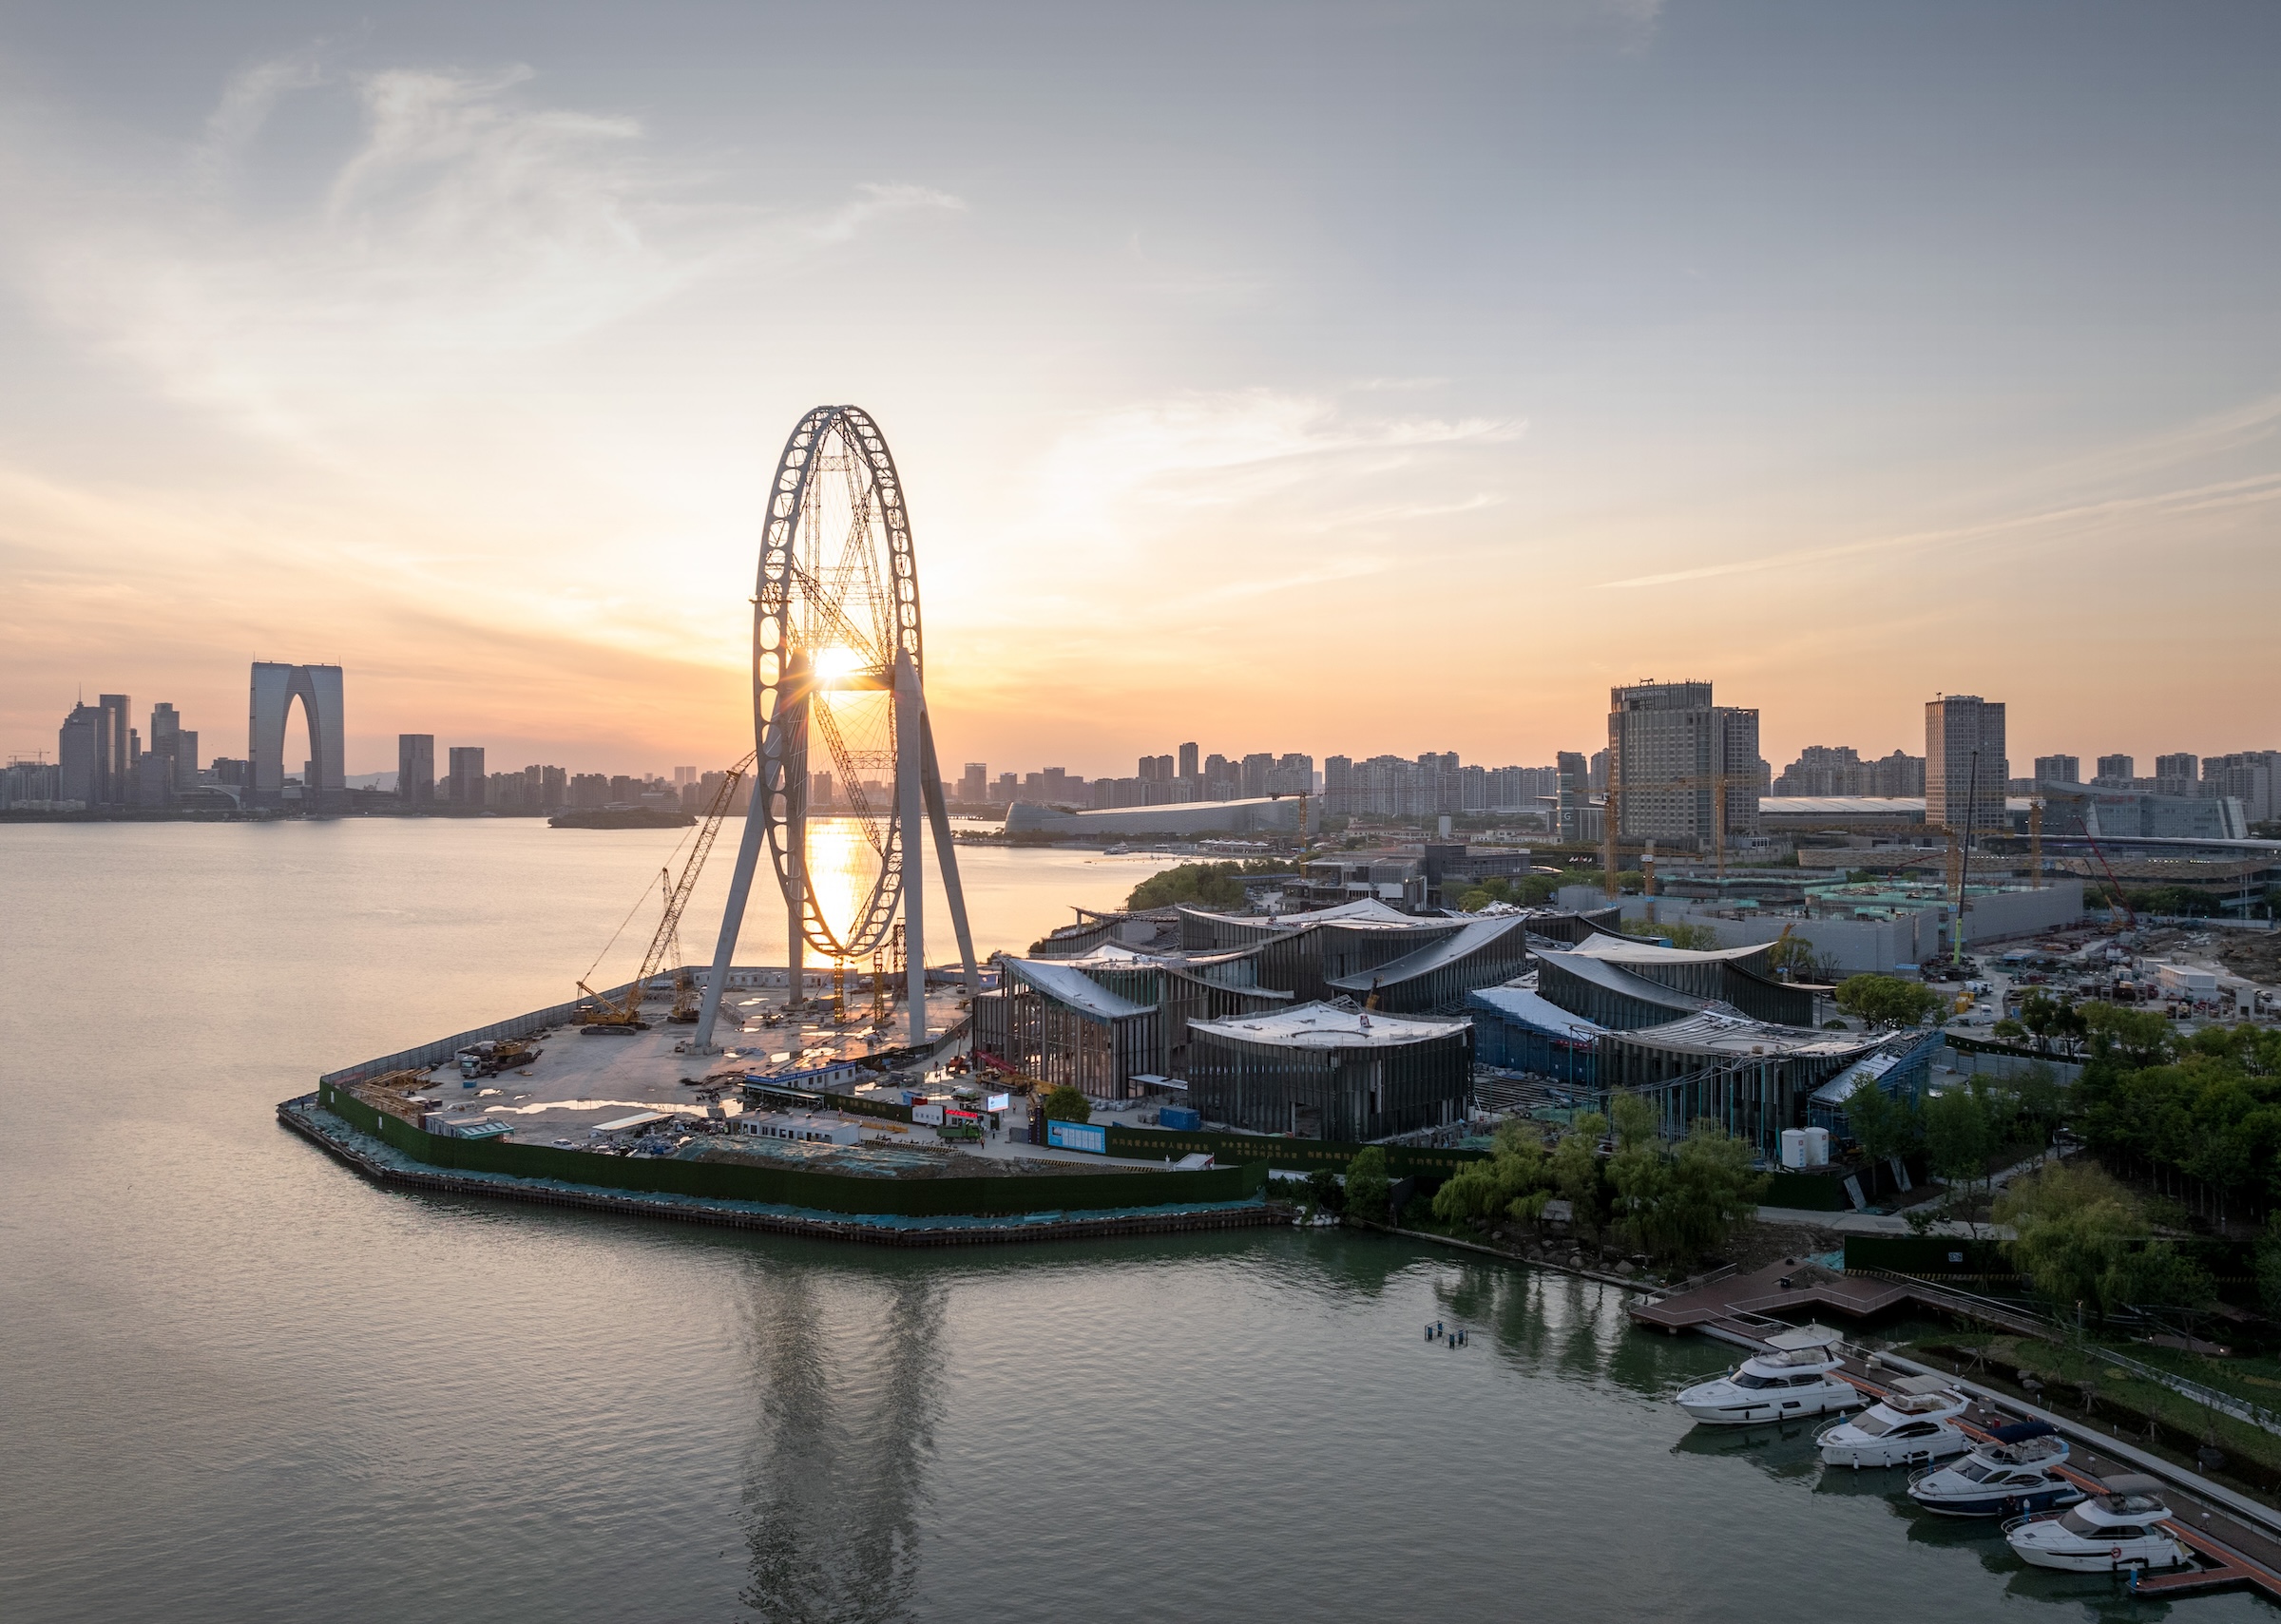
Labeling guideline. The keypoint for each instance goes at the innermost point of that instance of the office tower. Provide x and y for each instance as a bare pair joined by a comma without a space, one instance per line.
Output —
2178,774
1574,779
1965,769
415,769
1007,789
79,754
2059,769
117,748
185,757
974,783
2116,770
166,729
1188,761
684,776
1597,780
1681,768
819,790
468,779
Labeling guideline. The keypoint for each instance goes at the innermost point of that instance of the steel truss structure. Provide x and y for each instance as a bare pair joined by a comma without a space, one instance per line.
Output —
839,659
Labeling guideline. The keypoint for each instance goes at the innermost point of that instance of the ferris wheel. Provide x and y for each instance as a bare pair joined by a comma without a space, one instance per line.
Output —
839,701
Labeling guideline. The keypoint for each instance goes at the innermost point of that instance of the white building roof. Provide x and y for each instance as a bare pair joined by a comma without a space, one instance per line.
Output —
1639,951
1326,1026
1073,987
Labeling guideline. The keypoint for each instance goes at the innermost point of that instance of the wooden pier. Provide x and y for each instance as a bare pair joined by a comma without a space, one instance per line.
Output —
1729,1306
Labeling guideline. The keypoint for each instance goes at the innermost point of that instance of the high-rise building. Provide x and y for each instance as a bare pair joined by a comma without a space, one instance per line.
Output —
684,776
2178,774
1006,791
2251,777
1573,794
2059,769
80,747
467,780
554,788
415,769
974,783
118,748
1965,769
1681,768
2116,770
1189,765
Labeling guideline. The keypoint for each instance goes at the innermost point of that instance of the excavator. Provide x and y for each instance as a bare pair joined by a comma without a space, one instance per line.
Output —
605,1015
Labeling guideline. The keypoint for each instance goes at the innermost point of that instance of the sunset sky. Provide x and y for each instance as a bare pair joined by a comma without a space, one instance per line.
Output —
1336,377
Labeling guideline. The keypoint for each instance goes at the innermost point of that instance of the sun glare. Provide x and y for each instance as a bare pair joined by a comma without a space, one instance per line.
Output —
834,664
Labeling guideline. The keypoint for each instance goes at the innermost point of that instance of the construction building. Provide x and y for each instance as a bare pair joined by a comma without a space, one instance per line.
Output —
1326,1072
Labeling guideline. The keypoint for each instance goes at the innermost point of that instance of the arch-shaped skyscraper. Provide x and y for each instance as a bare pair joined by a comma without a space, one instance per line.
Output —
274,688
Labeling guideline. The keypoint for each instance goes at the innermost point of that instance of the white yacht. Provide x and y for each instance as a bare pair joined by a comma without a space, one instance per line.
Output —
1796,1377
2016,1470
2119,1527
1909,1427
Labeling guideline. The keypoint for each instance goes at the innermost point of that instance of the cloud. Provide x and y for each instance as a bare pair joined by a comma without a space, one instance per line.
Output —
1218,449
2075,516
471,225
873,202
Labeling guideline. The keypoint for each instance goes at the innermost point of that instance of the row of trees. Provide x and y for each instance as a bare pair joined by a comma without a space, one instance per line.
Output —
2206,1107
2087,1244
1207,884
1674,1203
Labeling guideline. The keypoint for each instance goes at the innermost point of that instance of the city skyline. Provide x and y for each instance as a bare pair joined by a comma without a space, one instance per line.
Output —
454,350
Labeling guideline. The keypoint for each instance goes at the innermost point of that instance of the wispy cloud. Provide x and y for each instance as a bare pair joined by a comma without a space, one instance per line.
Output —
873,202
471,220
2073,517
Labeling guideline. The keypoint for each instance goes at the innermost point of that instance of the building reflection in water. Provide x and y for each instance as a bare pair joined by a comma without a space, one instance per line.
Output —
846,1369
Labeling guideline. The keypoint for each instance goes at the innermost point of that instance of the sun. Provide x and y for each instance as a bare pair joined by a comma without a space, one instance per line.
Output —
832,665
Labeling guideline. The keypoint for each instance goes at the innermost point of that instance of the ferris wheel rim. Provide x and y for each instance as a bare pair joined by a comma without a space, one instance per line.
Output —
783,692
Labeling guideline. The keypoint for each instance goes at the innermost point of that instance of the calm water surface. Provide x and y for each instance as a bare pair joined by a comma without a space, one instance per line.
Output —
240,1383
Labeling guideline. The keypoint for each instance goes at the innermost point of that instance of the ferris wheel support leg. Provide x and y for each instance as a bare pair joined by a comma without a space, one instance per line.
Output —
732,919
938,815
909,711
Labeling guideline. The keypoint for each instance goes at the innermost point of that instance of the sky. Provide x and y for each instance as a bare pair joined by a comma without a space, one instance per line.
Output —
1329,378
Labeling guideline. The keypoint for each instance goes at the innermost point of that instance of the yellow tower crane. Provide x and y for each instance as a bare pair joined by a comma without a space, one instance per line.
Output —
623,1013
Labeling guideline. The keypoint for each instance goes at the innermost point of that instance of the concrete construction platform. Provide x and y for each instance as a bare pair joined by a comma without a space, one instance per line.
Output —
385,1164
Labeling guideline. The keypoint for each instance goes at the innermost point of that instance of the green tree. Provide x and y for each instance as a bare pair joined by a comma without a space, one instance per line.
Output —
1888,1001
1957,1140
1512,1182
1367,1187
1065,1104
1794,956
2083,1238
2133,1037
1694,938
1207,884
2268,1267
1575,1168
1679,1203
2041,1100
1883,1124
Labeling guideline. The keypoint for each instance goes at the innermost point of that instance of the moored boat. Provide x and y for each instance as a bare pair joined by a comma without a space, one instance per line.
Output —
1910,1427
2119,1527
1796,1377
2016,1471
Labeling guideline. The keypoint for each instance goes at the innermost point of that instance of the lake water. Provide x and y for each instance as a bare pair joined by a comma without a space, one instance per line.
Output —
240,1383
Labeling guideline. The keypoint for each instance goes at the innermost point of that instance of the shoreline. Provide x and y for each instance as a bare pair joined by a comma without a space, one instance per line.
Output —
377,1161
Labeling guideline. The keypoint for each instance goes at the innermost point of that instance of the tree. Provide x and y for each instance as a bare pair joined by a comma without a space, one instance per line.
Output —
2268,1267
1888,1001
2041,1100
1512,1182
2085,1240
1208,884
1883,1124
1367,1187
2049,1020
1956,1135
1794,956
2133,1037
1680,1203
1694,938
1575,1168
1065,1104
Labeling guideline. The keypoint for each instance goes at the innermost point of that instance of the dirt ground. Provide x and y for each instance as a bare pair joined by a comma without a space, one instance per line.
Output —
2252,954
